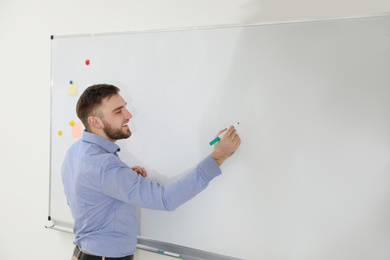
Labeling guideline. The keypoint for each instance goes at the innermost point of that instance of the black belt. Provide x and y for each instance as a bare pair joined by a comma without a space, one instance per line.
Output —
83,256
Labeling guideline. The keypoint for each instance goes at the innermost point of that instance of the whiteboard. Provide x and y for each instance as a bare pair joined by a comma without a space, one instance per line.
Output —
311,177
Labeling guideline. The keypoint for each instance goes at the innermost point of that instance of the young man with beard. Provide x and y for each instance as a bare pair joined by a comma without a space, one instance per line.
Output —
103,192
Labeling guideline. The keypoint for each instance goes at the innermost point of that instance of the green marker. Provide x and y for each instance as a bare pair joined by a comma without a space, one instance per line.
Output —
220,136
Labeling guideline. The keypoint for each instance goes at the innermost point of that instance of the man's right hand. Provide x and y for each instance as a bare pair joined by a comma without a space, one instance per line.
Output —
226,147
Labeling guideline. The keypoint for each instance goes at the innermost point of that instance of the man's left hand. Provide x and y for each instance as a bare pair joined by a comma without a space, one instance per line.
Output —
140,170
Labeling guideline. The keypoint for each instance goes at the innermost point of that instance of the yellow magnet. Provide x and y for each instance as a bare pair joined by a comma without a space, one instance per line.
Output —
59,132
71,122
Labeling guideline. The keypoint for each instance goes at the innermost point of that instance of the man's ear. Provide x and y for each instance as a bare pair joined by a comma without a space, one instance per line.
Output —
95,122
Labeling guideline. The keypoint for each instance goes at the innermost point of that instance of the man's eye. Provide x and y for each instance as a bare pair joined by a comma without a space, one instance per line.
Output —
120,111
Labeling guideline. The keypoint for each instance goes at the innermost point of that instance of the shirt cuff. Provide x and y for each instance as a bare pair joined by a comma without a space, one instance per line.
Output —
210,168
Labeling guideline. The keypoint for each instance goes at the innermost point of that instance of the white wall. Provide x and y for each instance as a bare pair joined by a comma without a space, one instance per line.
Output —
25,29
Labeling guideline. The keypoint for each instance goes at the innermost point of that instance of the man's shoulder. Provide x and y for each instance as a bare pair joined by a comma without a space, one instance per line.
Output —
90,152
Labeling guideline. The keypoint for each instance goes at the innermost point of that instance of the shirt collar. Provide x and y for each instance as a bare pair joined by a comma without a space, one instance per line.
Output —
111,147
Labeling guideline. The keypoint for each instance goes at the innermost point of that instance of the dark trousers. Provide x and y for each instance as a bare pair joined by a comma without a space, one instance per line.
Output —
79,254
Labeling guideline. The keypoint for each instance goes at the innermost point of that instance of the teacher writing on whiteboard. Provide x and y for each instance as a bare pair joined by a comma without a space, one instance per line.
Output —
103,192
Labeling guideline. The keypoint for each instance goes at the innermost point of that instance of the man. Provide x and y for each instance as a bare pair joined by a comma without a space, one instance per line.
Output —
103,192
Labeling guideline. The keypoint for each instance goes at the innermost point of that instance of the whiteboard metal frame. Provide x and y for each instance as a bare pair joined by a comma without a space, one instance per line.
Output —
191,28
154,245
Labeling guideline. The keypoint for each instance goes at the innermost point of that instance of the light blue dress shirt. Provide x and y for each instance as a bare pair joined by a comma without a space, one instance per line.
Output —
103,193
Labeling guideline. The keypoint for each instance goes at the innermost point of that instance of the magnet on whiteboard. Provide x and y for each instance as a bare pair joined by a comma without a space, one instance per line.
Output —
71,122
49,223
87,62
72,88
59,132
71,82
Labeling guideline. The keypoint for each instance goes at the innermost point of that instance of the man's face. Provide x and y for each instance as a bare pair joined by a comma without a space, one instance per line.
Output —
115,118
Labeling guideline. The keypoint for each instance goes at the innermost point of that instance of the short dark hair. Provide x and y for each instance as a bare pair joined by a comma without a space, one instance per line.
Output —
91,99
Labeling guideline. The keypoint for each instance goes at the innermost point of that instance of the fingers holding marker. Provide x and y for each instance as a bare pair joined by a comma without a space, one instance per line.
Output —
230,133
226,143
231,138
225,132
237,140
234,138
221,132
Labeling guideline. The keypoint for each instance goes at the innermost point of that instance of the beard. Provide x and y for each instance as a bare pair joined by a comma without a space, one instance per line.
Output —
115,133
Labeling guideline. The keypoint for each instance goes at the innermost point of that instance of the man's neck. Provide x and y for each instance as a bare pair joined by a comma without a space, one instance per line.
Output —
101,133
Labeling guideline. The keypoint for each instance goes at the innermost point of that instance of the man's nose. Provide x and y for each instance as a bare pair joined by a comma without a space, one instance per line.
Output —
128,114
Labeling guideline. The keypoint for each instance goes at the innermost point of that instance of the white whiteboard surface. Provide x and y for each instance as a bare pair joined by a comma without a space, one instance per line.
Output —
311,178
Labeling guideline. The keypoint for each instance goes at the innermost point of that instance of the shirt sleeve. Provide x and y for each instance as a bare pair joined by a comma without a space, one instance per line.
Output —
121,182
